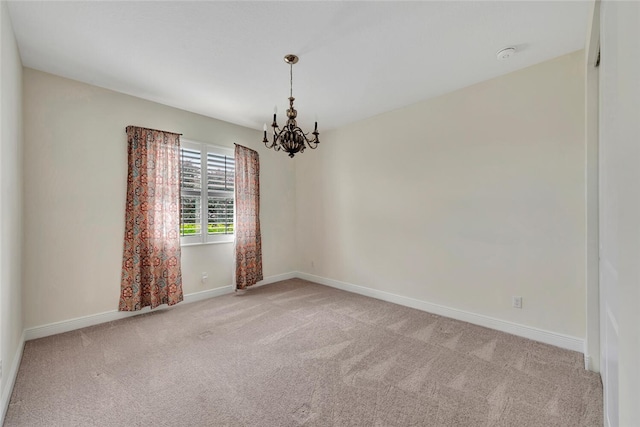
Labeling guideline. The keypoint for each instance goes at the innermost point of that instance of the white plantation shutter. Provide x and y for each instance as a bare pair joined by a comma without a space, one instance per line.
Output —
207,199
220,178
190,192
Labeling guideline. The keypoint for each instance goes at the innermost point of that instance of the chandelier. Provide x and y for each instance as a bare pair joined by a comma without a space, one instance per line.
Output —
290,138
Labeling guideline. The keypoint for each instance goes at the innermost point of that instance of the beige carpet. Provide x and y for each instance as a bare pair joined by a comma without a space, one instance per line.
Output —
297,353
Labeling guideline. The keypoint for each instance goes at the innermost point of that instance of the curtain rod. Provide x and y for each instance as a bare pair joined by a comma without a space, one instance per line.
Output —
156,130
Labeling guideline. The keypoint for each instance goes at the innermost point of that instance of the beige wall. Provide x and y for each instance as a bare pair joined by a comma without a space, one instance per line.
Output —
463,200
10,202
75,184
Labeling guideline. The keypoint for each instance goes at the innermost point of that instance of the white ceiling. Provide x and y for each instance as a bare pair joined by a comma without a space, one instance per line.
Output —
357,59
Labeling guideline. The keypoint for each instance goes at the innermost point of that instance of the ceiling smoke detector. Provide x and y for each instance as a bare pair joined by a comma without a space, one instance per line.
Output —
506,53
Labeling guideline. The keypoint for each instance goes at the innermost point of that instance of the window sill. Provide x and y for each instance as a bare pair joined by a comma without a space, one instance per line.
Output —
207,243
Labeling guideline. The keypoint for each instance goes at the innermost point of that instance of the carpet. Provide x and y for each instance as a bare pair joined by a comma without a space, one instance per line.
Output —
296,353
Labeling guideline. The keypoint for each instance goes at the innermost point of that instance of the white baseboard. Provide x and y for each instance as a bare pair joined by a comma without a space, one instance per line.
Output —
276,278
109,316
11,379
548,337
587,362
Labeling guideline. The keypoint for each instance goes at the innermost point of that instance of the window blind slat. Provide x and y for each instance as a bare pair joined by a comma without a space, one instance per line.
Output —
220,172
190,216
220,215
191,169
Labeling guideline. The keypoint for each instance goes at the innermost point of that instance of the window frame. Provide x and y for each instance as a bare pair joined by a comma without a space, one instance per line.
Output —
204,237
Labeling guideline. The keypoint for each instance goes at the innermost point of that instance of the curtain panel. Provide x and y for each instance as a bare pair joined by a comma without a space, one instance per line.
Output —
151,273
247,228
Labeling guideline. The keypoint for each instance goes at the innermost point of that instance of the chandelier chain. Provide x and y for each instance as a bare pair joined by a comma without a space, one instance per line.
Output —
291,80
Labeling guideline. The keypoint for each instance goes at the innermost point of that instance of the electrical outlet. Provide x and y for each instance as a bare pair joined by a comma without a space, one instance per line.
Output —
204,277
516,302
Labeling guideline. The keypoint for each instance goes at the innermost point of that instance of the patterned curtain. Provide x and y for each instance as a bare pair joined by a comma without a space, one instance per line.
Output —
151,272
247,227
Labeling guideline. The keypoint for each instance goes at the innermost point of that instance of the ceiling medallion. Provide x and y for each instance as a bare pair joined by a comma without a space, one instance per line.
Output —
290,138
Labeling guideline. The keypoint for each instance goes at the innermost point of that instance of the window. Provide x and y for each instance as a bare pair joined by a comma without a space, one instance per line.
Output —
206,193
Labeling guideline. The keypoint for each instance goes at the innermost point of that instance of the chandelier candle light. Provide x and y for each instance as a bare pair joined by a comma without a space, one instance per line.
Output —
290,138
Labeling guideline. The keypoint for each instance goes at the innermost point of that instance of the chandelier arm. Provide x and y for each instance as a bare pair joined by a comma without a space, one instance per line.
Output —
276,135
297,129
274,144
309,142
